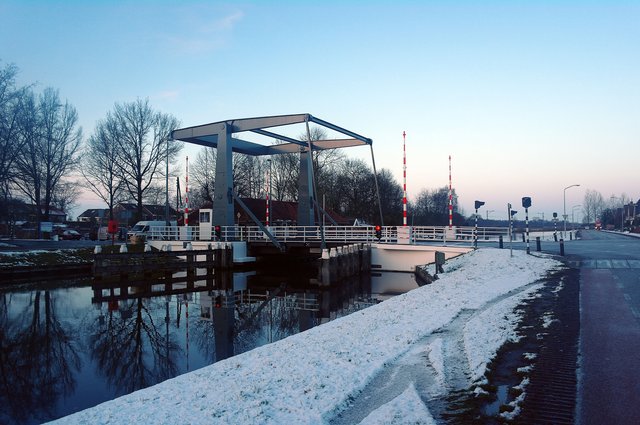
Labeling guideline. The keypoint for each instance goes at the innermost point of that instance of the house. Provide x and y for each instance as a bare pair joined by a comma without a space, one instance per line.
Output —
281,213
631,214
93,215
125,213
27,212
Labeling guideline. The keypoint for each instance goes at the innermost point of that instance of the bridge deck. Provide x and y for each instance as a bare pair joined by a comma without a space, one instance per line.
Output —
333,234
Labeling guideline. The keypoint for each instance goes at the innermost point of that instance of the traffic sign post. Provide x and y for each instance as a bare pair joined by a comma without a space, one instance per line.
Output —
526,203
475,231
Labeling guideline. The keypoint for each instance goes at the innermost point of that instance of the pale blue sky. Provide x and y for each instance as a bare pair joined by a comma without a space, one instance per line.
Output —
528,97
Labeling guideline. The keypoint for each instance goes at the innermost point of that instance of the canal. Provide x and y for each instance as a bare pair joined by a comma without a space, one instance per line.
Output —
68,345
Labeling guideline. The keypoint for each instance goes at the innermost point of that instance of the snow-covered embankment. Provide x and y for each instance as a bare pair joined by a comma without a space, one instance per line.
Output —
308,377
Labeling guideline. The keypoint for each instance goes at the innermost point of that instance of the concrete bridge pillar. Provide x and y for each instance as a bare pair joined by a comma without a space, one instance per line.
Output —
223,211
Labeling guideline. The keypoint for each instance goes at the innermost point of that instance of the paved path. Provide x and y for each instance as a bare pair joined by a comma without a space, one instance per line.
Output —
609,375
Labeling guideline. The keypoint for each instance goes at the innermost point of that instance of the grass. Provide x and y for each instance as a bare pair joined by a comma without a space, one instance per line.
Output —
46,258
57,257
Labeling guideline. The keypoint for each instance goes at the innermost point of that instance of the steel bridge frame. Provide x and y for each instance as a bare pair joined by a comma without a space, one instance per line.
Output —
222,135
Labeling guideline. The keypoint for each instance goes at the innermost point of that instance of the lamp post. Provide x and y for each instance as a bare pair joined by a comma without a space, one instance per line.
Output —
564,206
573,220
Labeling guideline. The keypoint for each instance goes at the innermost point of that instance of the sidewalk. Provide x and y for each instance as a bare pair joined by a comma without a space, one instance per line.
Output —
609,389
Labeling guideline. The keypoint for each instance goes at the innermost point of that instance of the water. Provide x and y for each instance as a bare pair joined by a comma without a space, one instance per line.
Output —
68,345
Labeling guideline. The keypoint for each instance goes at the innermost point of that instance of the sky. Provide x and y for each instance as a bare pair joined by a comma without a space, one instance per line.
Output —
526,97
396,355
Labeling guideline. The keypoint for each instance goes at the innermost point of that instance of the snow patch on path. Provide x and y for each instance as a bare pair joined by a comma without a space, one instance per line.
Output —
407,408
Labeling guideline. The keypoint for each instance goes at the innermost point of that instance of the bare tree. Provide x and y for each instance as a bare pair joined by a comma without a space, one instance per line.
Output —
143,146
155,195
432,206
322,159
249,176
354,189
65,195
10,110
592,205
100,166
11,105
50,141
285,169
203,174
390,199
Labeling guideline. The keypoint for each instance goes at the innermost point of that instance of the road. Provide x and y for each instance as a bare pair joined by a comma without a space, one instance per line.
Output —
608,374
609,371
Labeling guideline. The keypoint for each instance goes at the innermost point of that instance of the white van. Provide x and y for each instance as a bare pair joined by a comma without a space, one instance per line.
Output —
157,229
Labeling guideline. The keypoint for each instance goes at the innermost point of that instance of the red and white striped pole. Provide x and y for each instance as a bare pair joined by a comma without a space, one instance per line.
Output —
186,197
450,197
404,186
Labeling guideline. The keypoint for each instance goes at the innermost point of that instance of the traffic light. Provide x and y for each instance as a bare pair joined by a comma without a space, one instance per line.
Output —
218,232
378,232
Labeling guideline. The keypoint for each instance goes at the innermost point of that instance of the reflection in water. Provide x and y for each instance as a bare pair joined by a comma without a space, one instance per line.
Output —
59,353
130,348
38,357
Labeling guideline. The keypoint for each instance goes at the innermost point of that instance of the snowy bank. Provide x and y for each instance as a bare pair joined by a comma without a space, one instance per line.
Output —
311,376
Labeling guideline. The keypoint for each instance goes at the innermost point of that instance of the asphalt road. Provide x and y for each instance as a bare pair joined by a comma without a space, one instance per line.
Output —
609,371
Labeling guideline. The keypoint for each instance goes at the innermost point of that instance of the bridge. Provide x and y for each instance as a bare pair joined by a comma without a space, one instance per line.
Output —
244,136
397,248
332,235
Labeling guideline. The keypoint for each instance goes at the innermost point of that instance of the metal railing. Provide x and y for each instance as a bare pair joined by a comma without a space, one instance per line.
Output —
332,234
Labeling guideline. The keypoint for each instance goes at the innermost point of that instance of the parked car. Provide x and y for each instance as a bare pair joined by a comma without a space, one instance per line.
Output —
154,229
70,234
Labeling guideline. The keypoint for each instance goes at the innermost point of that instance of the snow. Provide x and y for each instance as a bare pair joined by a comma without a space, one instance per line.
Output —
310,377
407,408
483,335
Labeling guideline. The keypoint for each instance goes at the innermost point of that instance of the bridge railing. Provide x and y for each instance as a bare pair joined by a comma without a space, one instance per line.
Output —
484,233
285,234
428,233
341,234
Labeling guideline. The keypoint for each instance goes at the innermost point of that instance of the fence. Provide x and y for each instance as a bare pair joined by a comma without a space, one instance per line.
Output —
333,234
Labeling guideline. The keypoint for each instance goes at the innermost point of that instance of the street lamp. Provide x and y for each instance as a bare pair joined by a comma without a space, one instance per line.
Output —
573,220
564,204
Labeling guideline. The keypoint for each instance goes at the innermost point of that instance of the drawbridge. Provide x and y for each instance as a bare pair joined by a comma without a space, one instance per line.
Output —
232,136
